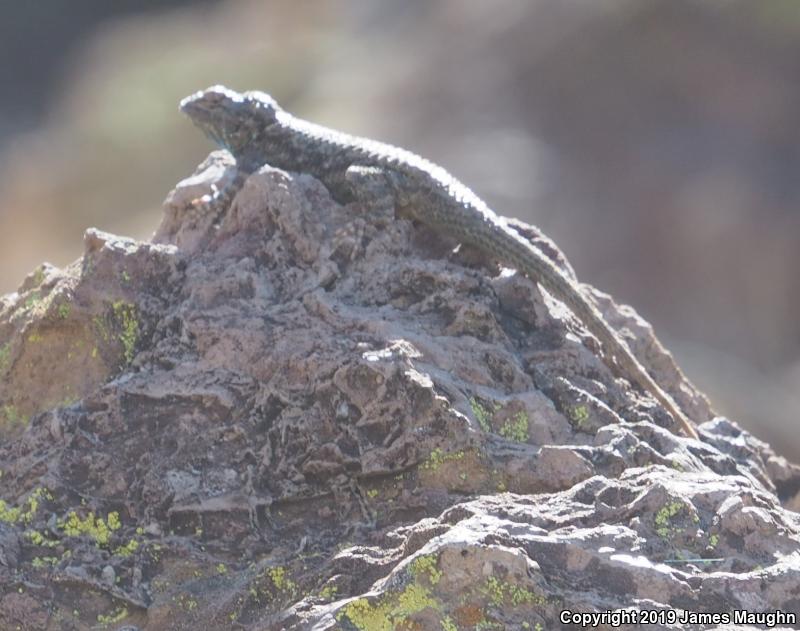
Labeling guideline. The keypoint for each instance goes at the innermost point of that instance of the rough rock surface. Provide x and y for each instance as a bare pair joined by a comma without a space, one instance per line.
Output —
311,416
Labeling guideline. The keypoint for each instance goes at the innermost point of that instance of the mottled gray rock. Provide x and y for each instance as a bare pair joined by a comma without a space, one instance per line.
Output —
310,416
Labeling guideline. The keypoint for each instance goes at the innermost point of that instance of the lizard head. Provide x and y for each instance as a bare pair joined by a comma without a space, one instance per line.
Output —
230,119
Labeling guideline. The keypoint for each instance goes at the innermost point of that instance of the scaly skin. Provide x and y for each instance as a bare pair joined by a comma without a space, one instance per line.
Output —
254,128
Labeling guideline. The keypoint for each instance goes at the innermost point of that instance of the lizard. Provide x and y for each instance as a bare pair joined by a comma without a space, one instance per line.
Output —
257,131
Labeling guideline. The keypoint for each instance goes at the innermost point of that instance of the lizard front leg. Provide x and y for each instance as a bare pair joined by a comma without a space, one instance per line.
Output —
217,203
366,186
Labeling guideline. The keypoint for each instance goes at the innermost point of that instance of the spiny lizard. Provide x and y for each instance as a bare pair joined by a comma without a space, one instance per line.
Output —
257,131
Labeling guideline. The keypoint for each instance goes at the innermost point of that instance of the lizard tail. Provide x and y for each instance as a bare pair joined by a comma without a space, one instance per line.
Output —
517,252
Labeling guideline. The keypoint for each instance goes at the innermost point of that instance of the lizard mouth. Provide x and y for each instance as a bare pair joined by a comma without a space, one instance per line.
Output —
206,112
195,109
204,104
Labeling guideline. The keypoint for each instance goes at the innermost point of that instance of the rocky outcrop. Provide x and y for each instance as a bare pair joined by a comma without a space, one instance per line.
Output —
312,416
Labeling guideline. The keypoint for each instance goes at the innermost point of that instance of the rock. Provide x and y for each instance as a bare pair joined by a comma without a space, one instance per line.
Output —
10,545
304,417
108,575
19,610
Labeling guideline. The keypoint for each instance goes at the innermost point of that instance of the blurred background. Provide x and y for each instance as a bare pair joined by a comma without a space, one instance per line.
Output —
657,142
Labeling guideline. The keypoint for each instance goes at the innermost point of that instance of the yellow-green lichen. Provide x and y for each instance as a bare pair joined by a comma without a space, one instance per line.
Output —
117,615
499,480
372,493
38,276
664,516
502,593
70,398
39,539
411,600
579,415
390,611
37,302
127,549
280,579
124,320
32,300
437,458
273,582
186,602
426,565
24,513
125,315
154,550
8,513
448,624
38,494
221,568
482,414
5,358
97,528
328,592
40,562
713,540
62,311
10,417
102,328
516,428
